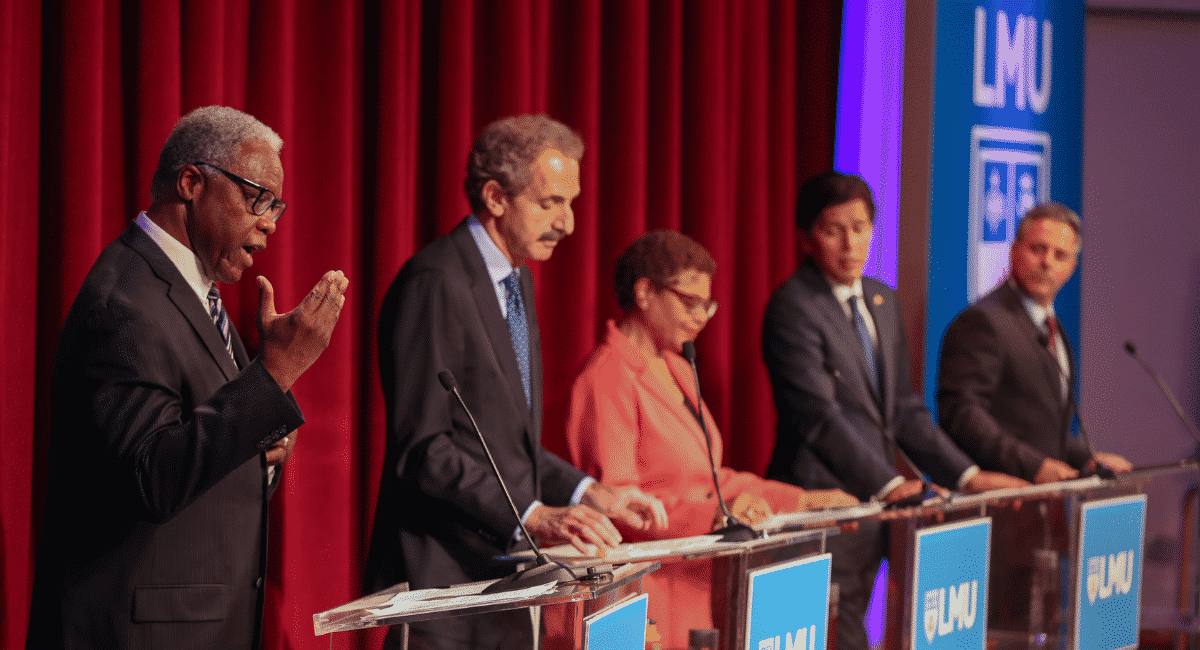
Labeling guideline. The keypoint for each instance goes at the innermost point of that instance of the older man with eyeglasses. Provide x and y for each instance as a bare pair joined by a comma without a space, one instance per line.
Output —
166,440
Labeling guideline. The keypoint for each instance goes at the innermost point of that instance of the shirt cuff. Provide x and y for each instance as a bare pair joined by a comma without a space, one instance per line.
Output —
517,536
577,495
968,474
888,487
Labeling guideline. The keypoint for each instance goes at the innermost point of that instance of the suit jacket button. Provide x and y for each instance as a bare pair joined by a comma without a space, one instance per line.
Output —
258,583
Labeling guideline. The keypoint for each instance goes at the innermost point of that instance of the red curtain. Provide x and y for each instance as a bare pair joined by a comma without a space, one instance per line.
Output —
698,115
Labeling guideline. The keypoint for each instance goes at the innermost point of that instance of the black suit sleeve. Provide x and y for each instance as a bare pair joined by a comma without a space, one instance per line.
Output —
435,326
969,374
815,409
173,449
917,434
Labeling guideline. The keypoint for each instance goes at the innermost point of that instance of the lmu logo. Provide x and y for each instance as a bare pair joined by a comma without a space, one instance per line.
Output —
1120,575
805,639
942,614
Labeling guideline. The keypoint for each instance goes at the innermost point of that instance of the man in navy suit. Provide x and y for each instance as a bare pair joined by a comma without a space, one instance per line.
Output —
465,303
166,440
835,350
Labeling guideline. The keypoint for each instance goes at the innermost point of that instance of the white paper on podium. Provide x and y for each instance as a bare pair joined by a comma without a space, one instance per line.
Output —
633,551
412,602
798,519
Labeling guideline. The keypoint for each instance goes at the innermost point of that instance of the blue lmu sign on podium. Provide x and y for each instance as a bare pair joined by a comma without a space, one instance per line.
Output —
788,606
1109,575
950,587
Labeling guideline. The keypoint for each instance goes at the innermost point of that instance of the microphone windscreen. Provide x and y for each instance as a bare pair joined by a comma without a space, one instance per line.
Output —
447,379
689,351
1043,340
1129,347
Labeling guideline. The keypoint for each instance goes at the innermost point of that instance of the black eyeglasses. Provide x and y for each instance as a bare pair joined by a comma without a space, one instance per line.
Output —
692,302
263,203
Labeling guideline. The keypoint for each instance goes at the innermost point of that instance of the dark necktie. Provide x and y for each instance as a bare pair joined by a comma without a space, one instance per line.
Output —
221,319
518,328
1052,339
864,337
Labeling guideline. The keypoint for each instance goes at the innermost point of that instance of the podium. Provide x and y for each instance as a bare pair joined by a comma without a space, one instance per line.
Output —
601,587
1072,553
734,565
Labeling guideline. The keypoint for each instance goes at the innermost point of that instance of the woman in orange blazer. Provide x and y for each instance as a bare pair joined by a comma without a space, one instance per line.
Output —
633,421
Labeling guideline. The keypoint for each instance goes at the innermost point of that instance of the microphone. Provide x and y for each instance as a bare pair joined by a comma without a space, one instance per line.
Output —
544,569
736,531
1162,385
913,500
1101,470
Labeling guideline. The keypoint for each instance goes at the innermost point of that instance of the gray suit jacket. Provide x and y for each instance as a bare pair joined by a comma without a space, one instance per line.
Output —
155,528
441,515
999,389
836,429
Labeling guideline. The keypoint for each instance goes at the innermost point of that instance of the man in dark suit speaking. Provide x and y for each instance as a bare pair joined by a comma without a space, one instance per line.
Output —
836,354
465,304
166,440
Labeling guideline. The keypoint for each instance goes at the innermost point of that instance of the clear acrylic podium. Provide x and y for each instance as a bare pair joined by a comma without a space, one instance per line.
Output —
1040,540
604,586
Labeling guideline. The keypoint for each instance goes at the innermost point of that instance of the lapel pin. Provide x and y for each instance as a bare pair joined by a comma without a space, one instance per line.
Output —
878,300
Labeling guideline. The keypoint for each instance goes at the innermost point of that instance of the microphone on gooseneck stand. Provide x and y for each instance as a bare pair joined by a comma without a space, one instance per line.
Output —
544,569
735,531
1101,470
915,499
1162,385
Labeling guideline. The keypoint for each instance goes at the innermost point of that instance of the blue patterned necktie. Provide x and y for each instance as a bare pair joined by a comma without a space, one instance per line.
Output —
864,337
221,319
518,328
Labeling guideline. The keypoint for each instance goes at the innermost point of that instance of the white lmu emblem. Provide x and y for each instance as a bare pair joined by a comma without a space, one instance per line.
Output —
1119,579
933,611
1010,173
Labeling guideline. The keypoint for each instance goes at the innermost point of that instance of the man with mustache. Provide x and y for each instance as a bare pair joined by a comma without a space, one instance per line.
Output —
465,303
1004,382
835,349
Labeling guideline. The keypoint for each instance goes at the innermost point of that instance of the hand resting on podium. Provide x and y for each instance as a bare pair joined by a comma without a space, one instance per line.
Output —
589,523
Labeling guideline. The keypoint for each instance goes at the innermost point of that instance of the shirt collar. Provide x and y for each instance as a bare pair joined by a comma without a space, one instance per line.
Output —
843,291
498,266
180,255
1036,311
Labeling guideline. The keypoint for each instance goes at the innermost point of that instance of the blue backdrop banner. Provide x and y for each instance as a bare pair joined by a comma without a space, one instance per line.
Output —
1007,135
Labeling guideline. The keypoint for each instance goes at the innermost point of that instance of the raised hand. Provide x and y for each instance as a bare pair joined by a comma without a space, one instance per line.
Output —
291,342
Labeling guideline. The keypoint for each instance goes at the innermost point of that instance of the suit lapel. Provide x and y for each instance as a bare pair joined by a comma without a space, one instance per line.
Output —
185,299
488,306
1031,335
886,331
844,338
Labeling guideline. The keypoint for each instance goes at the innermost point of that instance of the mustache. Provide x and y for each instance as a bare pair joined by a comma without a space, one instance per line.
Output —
552,235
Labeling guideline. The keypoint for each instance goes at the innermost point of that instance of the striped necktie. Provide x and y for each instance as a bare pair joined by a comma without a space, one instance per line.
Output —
220,318
864,337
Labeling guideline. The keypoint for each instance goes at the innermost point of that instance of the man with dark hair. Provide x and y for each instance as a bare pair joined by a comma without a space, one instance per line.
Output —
836,354
464,303
166,440
1006,370
1005,378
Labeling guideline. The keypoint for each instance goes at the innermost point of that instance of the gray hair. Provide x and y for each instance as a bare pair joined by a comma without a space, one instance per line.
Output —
1054,211
212,134
505,152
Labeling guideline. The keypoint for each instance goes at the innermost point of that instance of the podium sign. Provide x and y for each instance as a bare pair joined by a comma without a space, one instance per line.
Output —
949,600
788,606
1109,574
619,627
